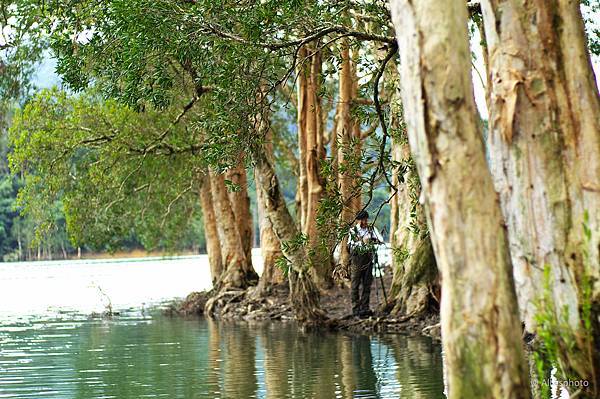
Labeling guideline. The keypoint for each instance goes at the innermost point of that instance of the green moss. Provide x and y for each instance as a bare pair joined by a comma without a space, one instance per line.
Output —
570,351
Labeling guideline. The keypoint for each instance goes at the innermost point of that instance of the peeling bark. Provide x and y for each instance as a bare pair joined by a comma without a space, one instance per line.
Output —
240,203
211,234
348,149
304,294
481,332
269,246
238,272
312,153
415,283
545,158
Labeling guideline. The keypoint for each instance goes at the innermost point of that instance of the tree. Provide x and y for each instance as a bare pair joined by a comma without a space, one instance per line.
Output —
416,279
545,157
130,53
213,245
480,326
109,190
237,269
346,146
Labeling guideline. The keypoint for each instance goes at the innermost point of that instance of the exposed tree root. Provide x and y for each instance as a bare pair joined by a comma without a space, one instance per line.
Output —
246,305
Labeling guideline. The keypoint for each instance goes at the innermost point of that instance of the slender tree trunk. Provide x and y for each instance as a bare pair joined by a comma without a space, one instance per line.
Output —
305,110
347,154
304,294
238,272
240,202
20,245
481,332
312,153
211,234
545,157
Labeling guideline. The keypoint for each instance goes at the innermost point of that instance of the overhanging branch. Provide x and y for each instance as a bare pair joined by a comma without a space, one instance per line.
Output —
216,30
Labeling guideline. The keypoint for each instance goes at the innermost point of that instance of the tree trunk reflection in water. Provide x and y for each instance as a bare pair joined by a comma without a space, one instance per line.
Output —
357,372
213,376
276,352
127,357
239,361
418,366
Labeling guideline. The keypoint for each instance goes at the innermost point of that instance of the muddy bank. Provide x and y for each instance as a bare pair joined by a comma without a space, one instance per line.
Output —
248,305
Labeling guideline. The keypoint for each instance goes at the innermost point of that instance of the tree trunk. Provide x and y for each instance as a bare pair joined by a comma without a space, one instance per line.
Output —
312,153
304,294
545,158
269,246
348,150
305,110
415,282
211,233
269,243
238,272
481,333
240,203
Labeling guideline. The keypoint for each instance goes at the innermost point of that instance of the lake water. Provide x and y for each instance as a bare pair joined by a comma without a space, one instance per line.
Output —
50,346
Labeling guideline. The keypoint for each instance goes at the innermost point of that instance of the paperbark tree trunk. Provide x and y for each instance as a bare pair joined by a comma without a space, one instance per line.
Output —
269,245
481,332
347,150
211,234
304,294
545,158
305,110
240,203
238,272
415,283
312,153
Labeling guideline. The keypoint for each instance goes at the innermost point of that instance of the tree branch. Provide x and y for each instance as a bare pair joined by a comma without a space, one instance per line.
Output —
212,28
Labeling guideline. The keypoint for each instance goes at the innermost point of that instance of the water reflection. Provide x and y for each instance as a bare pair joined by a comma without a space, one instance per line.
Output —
136,357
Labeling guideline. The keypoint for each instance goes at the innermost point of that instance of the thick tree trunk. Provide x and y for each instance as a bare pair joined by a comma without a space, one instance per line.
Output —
545,158
481,332
238,272
270,247
240,203
415,282
304,294
211,234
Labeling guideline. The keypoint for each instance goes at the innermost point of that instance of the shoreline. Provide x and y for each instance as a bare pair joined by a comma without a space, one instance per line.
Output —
247,305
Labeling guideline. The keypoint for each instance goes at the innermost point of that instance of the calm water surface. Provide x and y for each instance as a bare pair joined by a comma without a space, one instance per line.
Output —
51,352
